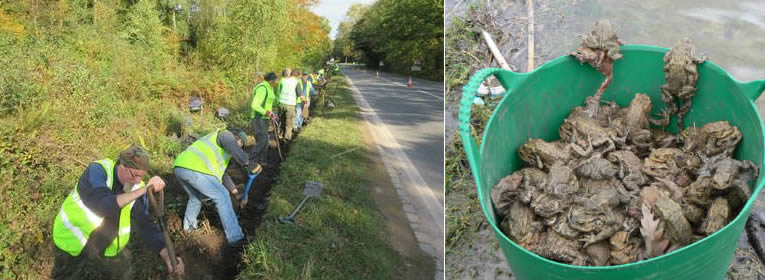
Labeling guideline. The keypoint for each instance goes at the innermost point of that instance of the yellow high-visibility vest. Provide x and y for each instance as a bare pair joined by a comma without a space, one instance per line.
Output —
205,156
75,221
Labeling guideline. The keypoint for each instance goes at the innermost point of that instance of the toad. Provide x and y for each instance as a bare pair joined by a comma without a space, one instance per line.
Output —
542,154
599,48
664,139
678,230
505,192
596,168
623,248
599,253
632,122
596,215
727,172
681,75
720,138
575,129
552,245
562,180
629,169
717,216
520,222
671,164
533,181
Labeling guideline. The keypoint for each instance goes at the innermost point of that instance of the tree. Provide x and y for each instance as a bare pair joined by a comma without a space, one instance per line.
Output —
398,32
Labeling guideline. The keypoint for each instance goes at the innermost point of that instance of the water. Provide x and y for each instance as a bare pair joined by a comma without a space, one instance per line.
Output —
730,33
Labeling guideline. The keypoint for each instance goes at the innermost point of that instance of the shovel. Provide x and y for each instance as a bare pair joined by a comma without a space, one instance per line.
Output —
250,178
276,135
159,213
311,189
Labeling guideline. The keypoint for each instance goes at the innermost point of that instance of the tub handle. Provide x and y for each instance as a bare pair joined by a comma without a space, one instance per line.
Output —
752,89
508,79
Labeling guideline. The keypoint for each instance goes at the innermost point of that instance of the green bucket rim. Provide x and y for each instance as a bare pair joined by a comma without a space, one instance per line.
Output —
465,109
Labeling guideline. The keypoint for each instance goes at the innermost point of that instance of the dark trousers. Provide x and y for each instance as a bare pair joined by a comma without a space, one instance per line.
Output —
260,130
67,266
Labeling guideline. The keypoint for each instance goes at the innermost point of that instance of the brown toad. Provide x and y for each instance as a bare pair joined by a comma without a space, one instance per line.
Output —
678,230
700,191
552,245
599,253
694,214
533,181
692,139
562,180
547,199
562,227
606,113
720,138
632,122
506,191
542,154
520,221
596,167
576,130
623,248
596,215
671,164
661,163
546,204
629,169
600,47
727,172
717,216
664,139
681,75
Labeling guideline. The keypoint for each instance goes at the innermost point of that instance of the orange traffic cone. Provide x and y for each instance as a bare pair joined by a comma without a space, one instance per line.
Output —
409,83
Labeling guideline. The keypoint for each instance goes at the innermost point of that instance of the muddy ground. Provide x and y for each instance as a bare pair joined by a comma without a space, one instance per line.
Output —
471,248
204,251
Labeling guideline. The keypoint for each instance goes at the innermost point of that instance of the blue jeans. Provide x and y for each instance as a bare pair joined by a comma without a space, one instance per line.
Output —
199,186
299,115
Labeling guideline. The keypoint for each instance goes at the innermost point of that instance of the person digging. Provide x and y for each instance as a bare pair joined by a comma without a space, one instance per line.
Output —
93,225
200,170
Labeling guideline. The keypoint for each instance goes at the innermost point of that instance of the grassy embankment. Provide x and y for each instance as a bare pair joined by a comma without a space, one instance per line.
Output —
340,235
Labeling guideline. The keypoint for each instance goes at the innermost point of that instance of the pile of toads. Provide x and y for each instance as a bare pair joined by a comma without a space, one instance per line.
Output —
614,190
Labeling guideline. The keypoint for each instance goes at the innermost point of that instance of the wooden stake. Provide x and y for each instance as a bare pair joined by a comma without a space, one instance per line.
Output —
494,50
530,9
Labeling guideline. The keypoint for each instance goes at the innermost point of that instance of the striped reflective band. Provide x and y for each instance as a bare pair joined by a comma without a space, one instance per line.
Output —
205,160
215,149
75,230
92,217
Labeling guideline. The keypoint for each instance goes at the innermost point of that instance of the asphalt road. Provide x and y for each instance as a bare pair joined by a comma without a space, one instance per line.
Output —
414,116
408,127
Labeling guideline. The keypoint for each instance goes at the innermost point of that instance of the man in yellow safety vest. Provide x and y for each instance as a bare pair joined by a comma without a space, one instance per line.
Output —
200,170
94,223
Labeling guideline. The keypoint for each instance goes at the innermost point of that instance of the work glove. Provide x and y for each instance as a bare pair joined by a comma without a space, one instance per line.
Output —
272,116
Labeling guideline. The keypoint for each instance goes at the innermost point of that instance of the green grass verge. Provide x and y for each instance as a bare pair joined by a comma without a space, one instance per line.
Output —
340,235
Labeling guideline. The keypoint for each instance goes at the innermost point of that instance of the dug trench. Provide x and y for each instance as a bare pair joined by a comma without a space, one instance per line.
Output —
204,251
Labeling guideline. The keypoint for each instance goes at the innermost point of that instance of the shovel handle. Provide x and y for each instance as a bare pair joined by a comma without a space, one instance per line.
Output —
297,209
159,211
247,188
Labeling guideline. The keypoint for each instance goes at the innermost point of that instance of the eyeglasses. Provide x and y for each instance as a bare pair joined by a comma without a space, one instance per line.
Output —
136,174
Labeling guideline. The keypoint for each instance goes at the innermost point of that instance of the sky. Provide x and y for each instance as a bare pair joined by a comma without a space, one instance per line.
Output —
334,10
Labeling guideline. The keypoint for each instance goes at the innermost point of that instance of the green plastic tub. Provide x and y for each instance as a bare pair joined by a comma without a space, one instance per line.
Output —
538,102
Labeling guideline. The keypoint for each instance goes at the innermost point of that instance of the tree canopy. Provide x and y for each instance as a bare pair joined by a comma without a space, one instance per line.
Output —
396,32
